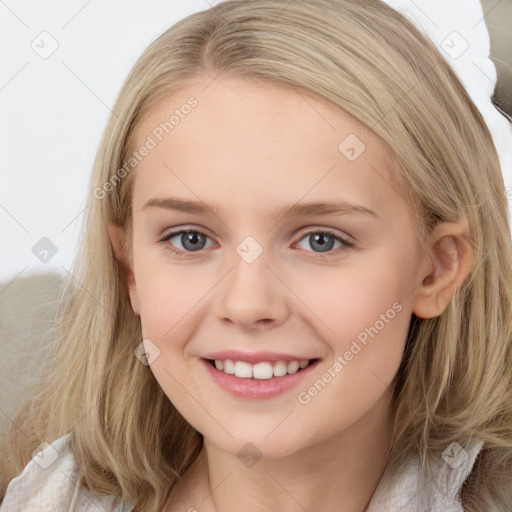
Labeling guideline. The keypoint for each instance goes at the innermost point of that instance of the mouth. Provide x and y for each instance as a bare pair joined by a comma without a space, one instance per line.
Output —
260,371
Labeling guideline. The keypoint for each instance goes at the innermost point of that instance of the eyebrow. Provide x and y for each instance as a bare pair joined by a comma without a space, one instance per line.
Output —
290,210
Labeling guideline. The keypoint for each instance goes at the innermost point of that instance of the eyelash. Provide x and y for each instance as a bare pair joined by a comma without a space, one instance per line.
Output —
346,244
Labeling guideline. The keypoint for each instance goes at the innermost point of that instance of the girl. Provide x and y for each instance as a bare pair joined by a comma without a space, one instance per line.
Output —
294,290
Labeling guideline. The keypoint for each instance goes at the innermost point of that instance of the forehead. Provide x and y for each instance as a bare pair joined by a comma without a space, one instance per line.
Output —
247,142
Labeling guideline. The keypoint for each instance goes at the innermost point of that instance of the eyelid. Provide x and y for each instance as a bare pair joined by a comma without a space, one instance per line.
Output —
172,232
341,235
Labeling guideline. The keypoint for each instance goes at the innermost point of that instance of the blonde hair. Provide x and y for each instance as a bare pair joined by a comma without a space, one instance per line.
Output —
455,382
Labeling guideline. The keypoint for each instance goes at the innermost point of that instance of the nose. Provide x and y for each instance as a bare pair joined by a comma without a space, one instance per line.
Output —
252,296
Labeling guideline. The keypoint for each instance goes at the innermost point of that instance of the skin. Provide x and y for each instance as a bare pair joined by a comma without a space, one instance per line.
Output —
252,148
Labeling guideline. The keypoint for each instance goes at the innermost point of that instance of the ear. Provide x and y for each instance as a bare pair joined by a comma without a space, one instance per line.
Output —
449,264
118,240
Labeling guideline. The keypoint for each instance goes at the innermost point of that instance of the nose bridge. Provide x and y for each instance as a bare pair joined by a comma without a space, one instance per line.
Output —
252,293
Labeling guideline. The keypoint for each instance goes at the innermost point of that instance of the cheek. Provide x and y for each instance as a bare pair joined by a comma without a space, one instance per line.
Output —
166,291
368,316
166,303
349,300
363,315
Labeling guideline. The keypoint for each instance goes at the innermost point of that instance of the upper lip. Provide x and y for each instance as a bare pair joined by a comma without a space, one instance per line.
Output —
255,357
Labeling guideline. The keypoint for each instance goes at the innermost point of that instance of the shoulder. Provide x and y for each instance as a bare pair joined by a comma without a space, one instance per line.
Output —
413,490
50,482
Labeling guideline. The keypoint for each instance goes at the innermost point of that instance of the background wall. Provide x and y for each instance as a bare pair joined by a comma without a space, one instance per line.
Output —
63,64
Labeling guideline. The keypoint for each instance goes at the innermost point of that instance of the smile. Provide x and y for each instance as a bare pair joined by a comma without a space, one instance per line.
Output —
257,381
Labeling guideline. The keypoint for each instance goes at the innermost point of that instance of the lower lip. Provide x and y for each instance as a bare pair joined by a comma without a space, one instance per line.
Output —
257,388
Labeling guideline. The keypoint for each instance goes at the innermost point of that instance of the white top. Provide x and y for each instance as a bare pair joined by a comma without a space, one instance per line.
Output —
49,483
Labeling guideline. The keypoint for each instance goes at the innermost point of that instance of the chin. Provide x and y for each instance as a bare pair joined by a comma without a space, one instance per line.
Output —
257,446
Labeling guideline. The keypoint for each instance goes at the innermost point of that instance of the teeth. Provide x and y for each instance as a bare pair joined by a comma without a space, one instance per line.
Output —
229,367
263,370
243,369
280,369
293,366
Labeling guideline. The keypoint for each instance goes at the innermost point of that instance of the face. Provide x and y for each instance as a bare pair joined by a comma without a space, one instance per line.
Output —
240,276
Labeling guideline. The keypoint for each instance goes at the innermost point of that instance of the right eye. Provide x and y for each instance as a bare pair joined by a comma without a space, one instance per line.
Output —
191,240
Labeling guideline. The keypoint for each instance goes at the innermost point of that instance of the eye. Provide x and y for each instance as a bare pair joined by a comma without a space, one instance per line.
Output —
324,241
191,240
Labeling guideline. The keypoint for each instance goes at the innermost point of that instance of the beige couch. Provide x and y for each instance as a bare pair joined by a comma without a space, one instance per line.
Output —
27,306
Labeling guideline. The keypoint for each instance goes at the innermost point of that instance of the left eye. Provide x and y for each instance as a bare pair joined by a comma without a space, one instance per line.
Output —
193,241
324,241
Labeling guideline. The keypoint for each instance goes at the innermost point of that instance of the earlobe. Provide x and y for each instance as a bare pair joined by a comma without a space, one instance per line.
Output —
451,261
118,241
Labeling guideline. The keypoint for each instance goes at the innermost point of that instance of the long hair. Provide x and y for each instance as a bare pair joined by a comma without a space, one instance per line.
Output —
455,381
